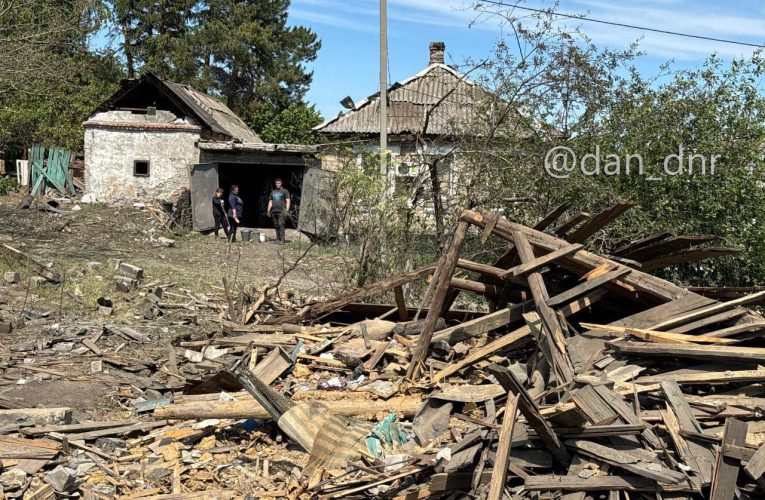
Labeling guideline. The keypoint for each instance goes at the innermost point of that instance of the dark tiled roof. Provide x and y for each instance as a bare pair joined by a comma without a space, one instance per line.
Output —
450,99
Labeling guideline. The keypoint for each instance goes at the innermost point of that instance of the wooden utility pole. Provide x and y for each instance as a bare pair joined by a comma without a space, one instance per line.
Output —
384,89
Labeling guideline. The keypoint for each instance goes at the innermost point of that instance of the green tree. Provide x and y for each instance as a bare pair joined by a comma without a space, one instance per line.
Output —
240,50
249,55
293,125
51,80
717,109
154,33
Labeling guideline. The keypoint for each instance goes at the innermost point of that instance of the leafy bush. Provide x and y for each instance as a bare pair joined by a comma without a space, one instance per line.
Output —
8,185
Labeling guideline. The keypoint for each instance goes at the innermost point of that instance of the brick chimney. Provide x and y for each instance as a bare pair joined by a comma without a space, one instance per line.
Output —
437,50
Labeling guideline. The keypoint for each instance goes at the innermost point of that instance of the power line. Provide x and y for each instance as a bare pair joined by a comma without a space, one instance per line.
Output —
624,25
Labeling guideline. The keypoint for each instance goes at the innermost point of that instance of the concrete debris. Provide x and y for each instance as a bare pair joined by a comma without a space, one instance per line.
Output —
13,479
165,242
12,277
62,479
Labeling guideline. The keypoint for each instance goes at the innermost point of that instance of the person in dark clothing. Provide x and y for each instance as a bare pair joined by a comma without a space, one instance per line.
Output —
278,208
219,213
235,210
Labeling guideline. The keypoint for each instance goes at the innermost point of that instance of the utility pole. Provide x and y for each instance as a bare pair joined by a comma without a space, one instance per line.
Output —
384,89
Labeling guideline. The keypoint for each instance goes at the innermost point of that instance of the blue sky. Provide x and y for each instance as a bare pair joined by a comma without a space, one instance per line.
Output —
348,61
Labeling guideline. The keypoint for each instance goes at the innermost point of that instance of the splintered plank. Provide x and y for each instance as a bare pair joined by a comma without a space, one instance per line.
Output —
24,259
735,330
552,216
756,466
529,410
711,320
484,324
656,336
556,340
516,336
601,483
570,223
726,470
700,456
597,411
631,461
598,222
705,377
551,353
695,255
626,413
586,286
321,308
709,310
491,220
706,352
543,260
440,291
666,247
643,242
403,313
681,445
484,269
724,292
498,479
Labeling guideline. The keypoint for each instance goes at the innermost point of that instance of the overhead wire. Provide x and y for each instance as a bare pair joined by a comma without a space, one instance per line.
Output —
623,25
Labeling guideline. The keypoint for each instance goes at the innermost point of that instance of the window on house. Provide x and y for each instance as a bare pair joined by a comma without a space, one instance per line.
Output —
141,168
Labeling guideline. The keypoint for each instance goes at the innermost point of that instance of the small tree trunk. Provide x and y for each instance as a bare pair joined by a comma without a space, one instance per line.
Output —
438,209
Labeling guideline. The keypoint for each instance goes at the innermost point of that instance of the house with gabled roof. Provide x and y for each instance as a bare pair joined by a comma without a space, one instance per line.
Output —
153,137
427,116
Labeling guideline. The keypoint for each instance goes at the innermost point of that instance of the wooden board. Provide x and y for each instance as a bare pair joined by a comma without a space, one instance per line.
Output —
726,470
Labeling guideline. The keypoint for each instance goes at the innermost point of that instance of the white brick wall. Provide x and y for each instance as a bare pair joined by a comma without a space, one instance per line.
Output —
110,153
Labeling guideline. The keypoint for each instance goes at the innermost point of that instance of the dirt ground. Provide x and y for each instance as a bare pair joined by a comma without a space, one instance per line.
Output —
84,246
97,233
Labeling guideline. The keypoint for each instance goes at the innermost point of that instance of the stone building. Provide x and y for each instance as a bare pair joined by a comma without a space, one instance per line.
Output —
428,115
153,137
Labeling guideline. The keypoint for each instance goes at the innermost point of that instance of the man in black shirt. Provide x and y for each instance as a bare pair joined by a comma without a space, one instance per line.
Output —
235,210
278,208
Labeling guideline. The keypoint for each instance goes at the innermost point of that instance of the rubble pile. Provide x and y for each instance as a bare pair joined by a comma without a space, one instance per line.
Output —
588,377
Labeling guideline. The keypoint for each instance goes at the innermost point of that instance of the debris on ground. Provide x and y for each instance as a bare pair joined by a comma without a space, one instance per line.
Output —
589,377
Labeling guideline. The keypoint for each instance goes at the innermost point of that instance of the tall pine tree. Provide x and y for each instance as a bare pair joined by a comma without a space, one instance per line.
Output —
240,50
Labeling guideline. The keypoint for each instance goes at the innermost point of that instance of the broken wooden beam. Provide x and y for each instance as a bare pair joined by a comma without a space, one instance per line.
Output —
530,411
543,260
249,408
598,222
586,286
552,216
691,351
445,271
498,479
727,468
29,262
556,340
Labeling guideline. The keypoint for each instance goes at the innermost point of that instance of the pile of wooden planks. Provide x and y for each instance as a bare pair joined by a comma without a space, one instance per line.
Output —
585,377
589,377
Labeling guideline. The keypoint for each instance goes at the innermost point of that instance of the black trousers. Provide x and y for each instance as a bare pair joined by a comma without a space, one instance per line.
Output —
279,221
220,222
233,225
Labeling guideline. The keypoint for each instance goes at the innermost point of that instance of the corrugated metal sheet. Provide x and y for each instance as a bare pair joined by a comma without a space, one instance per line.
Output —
450,99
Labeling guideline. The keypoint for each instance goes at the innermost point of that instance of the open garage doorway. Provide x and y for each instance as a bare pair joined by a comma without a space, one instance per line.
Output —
255,185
